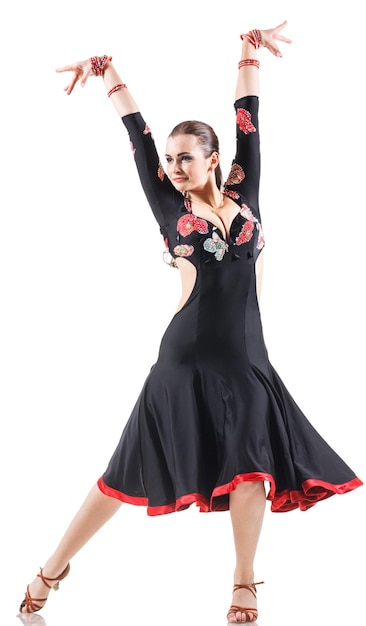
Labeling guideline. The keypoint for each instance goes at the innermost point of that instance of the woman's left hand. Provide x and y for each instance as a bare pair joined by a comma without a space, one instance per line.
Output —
271,35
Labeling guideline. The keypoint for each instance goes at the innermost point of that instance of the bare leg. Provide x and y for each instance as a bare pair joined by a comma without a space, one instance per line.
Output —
96,510
247,507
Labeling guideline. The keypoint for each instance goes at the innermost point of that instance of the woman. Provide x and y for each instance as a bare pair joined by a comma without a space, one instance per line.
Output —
213,421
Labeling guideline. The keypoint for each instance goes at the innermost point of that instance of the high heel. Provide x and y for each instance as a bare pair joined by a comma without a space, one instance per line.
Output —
31,604
246,610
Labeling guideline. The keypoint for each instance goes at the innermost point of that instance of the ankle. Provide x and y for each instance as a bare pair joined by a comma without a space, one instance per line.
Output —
243,576
53,567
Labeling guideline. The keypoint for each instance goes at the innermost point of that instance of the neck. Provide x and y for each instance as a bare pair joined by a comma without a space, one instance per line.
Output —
213,199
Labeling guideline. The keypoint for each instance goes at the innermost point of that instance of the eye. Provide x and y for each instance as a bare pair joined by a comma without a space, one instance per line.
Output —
169,159
187,157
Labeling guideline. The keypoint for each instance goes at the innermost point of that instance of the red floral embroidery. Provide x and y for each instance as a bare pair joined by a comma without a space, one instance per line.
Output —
245,234
183,250
188,223
147,130
236,175
231,194
246,212
161,172
244,120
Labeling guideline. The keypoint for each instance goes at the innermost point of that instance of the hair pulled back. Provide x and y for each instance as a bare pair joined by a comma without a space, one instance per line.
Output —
206,137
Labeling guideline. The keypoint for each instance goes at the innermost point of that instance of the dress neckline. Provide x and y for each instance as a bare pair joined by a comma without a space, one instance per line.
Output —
225,233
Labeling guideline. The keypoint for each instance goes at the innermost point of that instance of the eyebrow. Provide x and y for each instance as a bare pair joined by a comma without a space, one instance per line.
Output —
180,154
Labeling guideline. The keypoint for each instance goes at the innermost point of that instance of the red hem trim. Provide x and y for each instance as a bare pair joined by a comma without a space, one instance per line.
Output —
313,491
182,503
223,490
114,493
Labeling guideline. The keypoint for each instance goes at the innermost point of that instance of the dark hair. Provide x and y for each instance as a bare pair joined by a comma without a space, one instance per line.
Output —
206,137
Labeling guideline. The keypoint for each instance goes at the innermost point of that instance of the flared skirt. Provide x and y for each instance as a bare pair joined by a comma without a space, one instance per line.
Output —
194,435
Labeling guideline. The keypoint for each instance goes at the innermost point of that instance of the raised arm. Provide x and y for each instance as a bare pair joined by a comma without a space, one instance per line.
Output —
246,104
245,173
162,197
122,99
248,81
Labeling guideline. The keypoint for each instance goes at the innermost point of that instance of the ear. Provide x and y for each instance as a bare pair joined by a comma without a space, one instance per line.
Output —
214,160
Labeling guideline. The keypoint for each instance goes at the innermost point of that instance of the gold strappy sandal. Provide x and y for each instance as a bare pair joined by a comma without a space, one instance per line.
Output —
251,614
30,604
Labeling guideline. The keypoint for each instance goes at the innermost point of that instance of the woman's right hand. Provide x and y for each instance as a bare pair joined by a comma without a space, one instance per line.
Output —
271,35
82,70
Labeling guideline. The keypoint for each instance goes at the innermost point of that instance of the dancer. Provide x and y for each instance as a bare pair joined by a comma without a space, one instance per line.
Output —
214,422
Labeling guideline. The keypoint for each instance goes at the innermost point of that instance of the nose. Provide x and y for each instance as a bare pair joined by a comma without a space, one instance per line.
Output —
177,167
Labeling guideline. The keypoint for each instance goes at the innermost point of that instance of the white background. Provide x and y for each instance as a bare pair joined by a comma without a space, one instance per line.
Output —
85,296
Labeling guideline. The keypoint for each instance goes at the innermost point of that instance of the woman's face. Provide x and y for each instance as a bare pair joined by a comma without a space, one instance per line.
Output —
187,166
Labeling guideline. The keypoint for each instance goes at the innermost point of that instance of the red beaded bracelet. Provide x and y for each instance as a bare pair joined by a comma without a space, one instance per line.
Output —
99,64
248,62
254,37
116,88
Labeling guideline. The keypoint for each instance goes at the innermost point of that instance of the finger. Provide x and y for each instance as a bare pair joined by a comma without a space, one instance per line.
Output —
284,39
271,46
85,77
71,85
276,51
66,68
281,26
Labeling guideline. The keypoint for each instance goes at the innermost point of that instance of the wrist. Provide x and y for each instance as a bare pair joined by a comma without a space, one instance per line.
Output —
99,64
254,37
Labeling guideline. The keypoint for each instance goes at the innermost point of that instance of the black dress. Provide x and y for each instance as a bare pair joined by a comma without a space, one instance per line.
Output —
213,412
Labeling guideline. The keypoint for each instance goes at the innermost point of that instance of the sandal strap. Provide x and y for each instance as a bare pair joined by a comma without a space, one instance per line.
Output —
57,579
45,579
30,603
243,609
249,586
